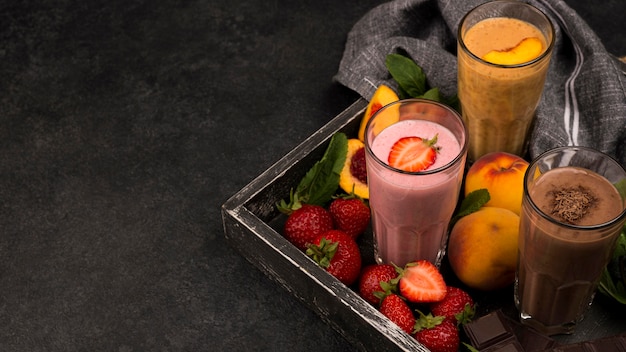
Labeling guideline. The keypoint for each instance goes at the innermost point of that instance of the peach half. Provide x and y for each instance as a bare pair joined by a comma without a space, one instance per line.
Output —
353,176
482,248
383,96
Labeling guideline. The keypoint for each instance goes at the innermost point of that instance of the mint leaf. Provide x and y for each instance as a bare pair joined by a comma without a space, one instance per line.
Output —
469,347
407,73
452,102
322,180
412,83
611,289
613,278
621,187
432,94
402,94
474,201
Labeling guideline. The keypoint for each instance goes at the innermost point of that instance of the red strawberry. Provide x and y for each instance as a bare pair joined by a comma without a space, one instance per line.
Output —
438,334
306,223
373,278
398,311
457,306
338,253
413,153
421,282
350,215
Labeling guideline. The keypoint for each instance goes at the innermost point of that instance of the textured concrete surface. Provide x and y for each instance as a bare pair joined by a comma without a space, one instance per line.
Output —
124,125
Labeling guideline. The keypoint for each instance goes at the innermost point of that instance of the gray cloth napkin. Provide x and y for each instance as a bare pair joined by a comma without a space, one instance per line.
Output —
584,100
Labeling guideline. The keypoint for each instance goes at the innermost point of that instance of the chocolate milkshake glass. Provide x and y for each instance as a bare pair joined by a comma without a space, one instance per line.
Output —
504,50
571,217
411,210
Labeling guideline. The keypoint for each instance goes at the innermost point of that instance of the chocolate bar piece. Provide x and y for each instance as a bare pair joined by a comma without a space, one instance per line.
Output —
615,343
496,332
490,330
510,345
531,340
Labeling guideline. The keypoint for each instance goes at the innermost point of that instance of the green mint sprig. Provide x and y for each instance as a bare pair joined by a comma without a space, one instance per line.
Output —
613,278
412,82
322,180
473,202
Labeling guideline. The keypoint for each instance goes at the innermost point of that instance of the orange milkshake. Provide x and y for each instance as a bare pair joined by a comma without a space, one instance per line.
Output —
503,58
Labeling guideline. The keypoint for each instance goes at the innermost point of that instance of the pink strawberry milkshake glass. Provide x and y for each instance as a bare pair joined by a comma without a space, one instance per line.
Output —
411,211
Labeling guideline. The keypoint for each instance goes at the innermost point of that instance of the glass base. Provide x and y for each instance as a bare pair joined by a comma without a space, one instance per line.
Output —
437,262
562,329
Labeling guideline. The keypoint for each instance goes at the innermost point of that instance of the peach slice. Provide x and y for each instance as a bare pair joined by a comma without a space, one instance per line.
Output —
352,178
526,50
383,96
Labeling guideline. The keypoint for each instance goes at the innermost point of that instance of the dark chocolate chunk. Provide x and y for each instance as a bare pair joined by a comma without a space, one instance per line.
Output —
531,340
615,343
488,330
497,332
510,345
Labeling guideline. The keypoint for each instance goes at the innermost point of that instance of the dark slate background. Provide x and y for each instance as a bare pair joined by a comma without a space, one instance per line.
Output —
124,125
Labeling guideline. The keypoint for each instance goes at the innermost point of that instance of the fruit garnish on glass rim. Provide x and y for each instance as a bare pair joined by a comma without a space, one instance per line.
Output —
413,154
526,50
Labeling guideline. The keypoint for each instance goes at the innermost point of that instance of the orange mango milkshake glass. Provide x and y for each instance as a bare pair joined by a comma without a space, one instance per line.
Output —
504,50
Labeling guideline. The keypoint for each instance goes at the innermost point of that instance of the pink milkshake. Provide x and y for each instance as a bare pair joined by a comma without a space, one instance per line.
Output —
411,210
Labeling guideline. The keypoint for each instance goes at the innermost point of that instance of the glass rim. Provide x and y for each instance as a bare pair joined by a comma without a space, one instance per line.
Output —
539,58
552,220
446,166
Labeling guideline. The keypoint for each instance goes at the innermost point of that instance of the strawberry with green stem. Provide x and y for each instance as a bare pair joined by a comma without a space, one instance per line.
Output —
306,216
437,333
337,253
398,311
457,305
375,282
305,223
350,214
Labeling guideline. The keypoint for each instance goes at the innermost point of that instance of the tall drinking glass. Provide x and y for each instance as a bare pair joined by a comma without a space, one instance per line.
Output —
411,209
504,50
572,214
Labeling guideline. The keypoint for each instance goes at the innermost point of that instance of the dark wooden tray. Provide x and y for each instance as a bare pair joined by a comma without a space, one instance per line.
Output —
252,225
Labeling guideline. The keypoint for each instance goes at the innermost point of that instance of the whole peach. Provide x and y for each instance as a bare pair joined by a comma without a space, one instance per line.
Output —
502,174
482,248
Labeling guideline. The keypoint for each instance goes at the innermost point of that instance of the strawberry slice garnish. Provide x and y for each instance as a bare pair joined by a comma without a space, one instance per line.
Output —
413,154
421,282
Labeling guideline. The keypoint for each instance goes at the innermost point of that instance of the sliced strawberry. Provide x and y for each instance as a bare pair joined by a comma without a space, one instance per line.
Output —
413,154
421,282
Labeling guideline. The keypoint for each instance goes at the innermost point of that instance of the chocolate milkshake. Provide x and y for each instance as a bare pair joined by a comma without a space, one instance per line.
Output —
564,245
